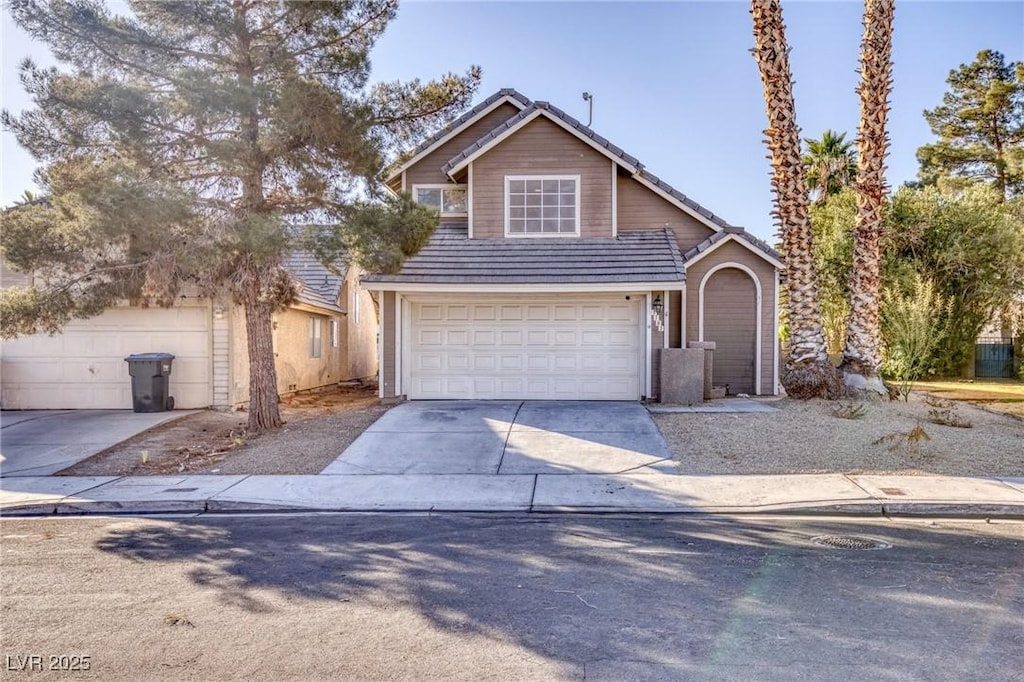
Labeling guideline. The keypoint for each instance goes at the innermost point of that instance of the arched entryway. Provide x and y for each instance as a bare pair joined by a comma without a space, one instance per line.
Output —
729,315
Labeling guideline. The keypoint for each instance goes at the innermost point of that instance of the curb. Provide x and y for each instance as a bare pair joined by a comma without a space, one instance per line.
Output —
196,507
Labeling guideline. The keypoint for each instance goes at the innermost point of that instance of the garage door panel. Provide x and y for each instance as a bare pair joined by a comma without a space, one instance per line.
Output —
542,349
84,367
511,337
484,312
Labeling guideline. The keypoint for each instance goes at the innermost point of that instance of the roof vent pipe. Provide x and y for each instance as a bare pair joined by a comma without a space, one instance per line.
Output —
588,98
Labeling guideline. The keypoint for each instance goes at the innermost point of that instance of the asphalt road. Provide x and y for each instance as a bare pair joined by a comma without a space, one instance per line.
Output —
510,598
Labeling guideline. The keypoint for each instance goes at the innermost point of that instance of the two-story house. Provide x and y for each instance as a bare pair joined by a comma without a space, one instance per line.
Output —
560,269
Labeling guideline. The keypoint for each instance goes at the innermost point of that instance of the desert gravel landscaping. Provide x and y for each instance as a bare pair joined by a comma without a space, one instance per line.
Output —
805,437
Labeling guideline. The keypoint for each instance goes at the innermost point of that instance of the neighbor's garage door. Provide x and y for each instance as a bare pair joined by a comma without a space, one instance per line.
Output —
553,348
84,366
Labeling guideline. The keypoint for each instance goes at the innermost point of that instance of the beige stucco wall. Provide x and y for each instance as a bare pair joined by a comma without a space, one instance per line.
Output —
732,252
541,148
361,328
296,370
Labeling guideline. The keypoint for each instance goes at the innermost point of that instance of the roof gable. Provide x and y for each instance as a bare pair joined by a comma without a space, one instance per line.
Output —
432,143
588,136
740,237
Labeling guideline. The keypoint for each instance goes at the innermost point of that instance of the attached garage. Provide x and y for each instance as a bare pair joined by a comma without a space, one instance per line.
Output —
511,347
83,367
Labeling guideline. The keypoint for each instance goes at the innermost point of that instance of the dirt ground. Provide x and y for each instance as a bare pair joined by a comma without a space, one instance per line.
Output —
319,426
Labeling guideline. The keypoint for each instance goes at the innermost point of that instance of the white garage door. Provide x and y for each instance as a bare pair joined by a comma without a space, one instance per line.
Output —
84,366
553,348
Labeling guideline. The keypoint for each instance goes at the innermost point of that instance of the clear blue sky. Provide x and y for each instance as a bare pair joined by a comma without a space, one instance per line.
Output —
674,84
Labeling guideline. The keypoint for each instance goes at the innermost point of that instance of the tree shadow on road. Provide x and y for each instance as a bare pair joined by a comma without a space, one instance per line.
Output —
662,596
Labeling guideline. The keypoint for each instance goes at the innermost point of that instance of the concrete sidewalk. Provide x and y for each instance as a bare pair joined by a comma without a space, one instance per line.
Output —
614,493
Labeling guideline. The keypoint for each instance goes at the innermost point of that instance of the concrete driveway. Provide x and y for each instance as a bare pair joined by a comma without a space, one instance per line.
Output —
42,442
508,437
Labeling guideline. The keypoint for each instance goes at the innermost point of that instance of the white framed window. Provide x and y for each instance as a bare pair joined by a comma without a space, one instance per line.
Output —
355,306
335,326
448,200
315,337
542,205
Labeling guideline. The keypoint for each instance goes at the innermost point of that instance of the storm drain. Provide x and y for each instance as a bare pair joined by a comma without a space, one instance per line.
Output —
849,542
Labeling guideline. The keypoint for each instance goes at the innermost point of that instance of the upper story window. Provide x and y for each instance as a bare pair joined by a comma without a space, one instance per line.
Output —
542,205
448,200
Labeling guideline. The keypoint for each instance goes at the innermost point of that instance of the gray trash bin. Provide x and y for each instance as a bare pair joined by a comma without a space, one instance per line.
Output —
150,374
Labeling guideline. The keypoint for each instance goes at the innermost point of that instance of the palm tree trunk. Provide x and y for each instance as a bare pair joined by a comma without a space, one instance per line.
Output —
862,354
807,372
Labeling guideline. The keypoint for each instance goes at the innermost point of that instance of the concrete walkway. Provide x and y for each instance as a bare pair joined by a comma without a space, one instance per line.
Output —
619,493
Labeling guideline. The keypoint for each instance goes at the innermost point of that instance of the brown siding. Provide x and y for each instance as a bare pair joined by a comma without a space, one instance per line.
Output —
732,252
730,321
387,314
675,324
641,209
541,148
428,171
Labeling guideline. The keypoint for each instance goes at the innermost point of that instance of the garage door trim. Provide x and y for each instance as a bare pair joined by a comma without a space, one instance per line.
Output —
404,327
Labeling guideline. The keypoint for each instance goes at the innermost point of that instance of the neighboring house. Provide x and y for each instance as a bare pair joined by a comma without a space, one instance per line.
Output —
329,334
560,269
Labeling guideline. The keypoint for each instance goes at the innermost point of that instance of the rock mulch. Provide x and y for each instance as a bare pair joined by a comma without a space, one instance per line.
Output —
807,437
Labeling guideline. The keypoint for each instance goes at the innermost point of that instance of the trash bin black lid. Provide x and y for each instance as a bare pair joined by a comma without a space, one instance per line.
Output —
149,356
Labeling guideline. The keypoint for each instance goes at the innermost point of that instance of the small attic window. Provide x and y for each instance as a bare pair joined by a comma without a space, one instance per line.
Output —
448,200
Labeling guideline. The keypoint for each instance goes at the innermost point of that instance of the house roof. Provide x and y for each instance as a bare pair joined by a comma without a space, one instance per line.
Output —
509,95
600,143
318,286
452,258
739,235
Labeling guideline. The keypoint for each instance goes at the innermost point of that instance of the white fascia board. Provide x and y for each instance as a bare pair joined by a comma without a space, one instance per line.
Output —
524,289
452,133
742,242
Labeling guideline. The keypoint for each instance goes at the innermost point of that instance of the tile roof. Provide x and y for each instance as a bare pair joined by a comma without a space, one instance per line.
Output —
318,285
504,92
599,141
738,232
452,258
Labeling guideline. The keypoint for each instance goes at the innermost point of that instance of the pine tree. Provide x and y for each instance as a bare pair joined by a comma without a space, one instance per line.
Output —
980,126
182,143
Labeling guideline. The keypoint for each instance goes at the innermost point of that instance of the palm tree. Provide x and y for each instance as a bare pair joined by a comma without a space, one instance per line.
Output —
861,355
807,372
831,164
